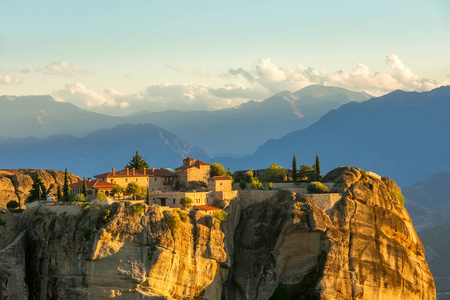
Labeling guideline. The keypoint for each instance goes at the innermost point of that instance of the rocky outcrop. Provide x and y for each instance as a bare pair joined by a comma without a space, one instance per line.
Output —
120,251
366,248
16,184
283,246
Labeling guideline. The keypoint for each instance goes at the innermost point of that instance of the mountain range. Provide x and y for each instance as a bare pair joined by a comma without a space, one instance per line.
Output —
98,151
402,135
232,131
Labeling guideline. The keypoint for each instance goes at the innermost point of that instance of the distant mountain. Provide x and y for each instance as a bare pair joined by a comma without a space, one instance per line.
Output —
432,192
42,116
231,131
99,151
242,129
403,135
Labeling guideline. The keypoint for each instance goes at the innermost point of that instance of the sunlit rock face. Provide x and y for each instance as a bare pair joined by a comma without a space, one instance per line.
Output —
283,246
366,248
120,252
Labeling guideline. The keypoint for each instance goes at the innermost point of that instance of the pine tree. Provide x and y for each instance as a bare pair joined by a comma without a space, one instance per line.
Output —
59,193
66,188
294,168
38,190
137,162
84,188
317,165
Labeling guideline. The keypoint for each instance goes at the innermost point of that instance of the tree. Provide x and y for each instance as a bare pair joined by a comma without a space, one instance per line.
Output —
275,173
134,189
117,190
317,165
294,168
59,193
81,198
186,202
216,169
242,184
84,188
137,162
248,176
37,191
257,185
12,205
66,188
101,196
147,198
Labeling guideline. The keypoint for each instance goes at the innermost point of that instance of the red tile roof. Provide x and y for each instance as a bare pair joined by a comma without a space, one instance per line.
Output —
206,207
220,178
138,173
197,164
93,184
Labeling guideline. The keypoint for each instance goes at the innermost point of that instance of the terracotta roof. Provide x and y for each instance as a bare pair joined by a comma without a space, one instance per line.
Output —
197,164
206,207
93,184
138,173
220,178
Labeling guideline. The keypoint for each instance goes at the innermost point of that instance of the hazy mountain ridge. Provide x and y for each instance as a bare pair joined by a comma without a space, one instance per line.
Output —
384,134
236,130
98,151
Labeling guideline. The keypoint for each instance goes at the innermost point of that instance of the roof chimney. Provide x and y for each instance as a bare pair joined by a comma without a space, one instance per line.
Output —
128,172
134,171
114,171
153,170
89,179
145,171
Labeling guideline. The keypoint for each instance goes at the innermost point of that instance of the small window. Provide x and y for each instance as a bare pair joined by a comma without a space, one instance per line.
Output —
173,200
136,179
156,178
126,179
112,180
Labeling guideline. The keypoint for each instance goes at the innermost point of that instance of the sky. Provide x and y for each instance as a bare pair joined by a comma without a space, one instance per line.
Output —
123,57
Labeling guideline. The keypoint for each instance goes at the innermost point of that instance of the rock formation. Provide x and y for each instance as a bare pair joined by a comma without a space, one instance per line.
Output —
16,184
278,247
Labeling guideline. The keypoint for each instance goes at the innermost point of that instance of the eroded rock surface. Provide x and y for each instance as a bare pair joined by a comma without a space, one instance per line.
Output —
16,184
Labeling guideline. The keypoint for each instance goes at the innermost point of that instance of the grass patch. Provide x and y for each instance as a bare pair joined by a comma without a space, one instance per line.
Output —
138,210
400,197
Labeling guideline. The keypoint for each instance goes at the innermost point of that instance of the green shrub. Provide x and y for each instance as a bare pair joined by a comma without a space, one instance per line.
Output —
242,184
221,215
181,214
84,206
270,186
400,197
186,202
12,205
106,216
173,222
256,184
101,196
138,210
317,187
81,198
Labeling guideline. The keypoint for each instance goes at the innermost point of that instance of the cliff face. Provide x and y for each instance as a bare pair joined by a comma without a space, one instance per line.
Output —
278,247
15,185
120,251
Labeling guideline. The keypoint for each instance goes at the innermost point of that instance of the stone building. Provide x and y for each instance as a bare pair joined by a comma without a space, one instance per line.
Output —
172,199
193,171
93,188
221,188
152,179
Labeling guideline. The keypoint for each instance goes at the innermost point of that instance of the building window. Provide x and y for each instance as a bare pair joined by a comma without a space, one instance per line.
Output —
126,179
136,179
156,178
112,181
173,200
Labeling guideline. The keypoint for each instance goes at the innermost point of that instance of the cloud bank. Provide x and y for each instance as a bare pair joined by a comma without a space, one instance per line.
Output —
8,80
260,81
63,68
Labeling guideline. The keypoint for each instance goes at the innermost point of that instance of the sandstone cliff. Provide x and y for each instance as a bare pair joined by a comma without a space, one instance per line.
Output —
16,184
283,246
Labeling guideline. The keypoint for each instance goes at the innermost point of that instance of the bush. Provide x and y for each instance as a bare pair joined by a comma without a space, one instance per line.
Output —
317,187
81,198
242,184
106,216
138,210
400,197
181,214
270,186
221,215
173,222
256,184
12,205
101,197
186,202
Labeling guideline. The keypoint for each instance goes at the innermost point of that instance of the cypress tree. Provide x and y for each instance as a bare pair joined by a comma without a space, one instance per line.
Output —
137,162
37,191
84,188
317,165
66,189
148,197
59,193
294,168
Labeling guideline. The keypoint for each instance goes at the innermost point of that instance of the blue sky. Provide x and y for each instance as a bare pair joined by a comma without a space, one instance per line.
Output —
120,57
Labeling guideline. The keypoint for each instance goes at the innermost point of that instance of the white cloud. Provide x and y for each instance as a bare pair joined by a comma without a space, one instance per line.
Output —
189,71
8,80
63,68
277,78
